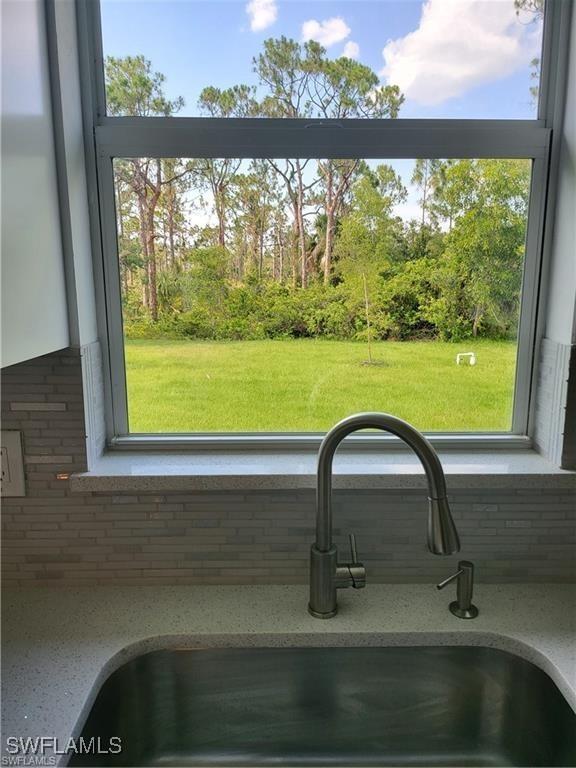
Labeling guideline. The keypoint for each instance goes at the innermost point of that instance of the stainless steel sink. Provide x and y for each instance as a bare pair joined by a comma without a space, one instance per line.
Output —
408,706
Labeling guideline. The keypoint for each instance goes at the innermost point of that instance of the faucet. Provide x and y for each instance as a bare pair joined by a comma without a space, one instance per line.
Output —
326,573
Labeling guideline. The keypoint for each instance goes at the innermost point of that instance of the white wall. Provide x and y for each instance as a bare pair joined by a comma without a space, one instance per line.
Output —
555,402
73,190
34,310
560,324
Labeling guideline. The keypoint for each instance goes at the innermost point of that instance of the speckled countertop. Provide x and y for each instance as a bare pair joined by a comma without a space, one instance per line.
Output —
253,470
59,644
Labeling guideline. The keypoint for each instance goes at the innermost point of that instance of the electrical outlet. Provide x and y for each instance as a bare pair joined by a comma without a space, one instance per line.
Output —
12,464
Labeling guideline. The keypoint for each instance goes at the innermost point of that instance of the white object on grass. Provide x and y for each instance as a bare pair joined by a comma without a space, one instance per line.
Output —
470,355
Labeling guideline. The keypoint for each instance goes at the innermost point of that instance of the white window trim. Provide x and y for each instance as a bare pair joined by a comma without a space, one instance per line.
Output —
110,137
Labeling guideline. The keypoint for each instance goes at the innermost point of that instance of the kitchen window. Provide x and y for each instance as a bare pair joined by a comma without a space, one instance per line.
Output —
314,223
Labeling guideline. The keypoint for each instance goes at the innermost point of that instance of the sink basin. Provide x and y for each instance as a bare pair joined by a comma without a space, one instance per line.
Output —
392,706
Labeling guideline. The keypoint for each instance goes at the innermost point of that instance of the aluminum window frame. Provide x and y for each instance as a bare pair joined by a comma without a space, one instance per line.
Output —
107,138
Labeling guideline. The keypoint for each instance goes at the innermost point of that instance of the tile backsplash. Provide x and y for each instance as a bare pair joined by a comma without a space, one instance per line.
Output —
53,536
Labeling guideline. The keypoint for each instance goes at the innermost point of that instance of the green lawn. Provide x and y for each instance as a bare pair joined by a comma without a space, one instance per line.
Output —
308,385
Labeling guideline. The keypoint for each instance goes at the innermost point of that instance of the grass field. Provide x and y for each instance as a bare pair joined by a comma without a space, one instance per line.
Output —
308,385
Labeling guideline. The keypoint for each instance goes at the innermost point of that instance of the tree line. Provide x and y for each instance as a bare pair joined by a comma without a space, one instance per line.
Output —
230,248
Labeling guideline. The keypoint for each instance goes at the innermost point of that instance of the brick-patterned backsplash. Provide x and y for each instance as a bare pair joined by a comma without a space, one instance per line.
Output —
55,536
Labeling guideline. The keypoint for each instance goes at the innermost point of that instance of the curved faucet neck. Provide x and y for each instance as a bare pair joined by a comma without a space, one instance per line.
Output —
386,423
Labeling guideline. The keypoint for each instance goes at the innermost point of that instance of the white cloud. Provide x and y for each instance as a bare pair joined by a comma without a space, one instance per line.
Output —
325,32
458,45
351,50
263,13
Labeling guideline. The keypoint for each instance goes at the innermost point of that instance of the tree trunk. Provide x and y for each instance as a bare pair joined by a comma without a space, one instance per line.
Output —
295,249
151,204
336,189
221,215
301,230
152,277
144,247
242,258
368,325
171,246
295,192
329,223
261,254
295,252
279,266
302,244
424,193
477,320
124,268
254,249
328,245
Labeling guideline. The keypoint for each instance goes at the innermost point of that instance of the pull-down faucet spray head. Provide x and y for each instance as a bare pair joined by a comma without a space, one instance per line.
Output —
442,534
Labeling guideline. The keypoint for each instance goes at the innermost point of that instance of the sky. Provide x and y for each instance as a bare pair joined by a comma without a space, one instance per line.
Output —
450,58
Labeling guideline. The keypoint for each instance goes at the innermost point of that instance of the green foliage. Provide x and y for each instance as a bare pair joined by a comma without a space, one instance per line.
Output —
238,101
302,81
257,311
406,296
132,88
332,315
366,240
207,278
406,282
166,327
480,273
311,248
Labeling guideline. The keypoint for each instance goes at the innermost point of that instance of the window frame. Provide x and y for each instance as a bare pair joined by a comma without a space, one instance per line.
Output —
107,138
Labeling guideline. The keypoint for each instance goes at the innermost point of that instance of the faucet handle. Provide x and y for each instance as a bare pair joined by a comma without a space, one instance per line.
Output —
357,570
352,574
353,551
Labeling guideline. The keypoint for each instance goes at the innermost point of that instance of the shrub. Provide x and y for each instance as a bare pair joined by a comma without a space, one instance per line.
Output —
165,327
331,314
198,323
405,297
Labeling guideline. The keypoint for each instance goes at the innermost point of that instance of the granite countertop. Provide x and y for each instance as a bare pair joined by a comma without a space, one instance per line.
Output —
59,644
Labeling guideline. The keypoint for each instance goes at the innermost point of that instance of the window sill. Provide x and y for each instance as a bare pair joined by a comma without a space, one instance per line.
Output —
218,471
